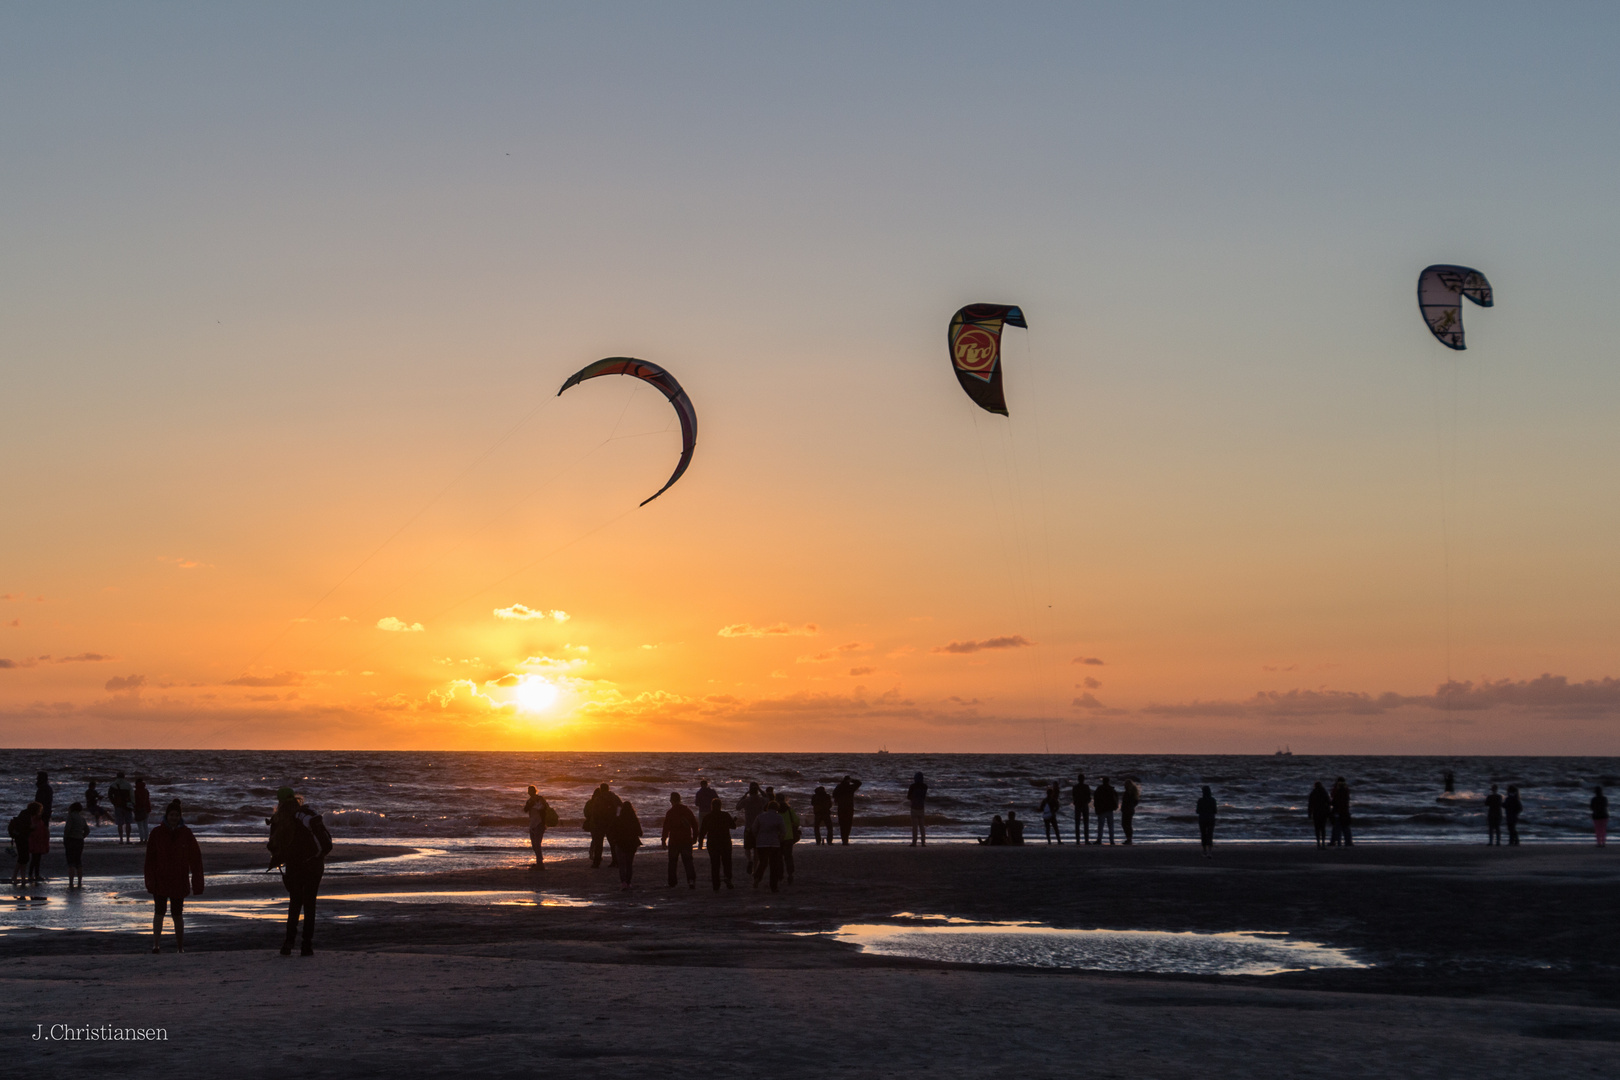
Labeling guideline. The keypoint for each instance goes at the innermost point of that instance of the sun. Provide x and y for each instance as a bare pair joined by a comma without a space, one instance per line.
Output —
534,694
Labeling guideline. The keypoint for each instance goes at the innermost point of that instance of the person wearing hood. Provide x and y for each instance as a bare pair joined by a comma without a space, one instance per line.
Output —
917,796
174,871
1206,820
74,830
1320,808
143,807
299,845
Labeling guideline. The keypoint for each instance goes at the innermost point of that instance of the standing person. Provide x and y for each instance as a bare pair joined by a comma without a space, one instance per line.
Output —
717,826
1127,805
704,799
843,796
1106,800
1049,813
791,833
752,805
74,830
92,802
1513,806
1320,808
821,814
768,832
680,830
174,871
44,794
917,796
299,845
1450,780
625,836
20,828
1082,809
1339,797
121,793
143,806
1493,818
541,817
1206,820
39,842
601,809
1600,817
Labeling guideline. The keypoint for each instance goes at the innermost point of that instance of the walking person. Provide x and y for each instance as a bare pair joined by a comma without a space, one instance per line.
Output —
39,843
74,830
1082,809
703,799
299,845
121,793
1206,820
541,817
917,796
601,810
1493,818
752,804
174,871
791,833
821,814
143,806
1106,800
1339,799
1600,817
1513,806
1320,808
717,826
1127,805
625,836
1049,814
768,832
843,796
680,831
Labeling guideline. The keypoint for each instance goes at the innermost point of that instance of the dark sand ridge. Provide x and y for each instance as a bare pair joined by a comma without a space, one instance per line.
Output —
1489,962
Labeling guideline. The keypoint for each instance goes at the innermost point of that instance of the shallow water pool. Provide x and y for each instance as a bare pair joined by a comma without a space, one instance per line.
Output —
961,941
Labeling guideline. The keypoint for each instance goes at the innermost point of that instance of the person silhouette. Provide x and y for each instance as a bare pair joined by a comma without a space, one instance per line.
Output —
1106,800
1082,808
1493,818
1320,807
1206,820
1513,806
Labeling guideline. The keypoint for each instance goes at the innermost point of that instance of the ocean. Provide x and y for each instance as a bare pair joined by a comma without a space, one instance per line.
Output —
473,801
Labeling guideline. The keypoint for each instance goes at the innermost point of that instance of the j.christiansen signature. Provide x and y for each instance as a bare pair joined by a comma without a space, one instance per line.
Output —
99,1033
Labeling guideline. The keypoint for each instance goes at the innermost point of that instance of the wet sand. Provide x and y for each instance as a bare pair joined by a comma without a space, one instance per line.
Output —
1485,963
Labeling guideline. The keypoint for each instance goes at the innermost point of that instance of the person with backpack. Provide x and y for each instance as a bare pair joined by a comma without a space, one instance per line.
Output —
680,831
299,845
74,830
541,818
174,871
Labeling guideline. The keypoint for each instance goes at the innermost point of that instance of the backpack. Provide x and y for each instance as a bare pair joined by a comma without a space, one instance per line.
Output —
551,816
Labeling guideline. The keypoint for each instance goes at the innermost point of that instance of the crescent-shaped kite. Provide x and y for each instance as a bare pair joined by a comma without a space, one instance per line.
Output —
975,340
1440,291
664,381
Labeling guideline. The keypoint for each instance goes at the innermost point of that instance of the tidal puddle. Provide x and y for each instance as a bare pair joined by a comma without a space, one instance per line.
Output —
962,941
507,898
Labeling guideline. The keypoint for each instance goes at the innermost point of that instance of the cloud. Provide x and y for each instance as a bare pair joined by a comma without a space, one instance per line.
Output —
1017,641
126,682
77,658
14,622
1092,660
833,654
1546,694
398,626
280,678
776,630
524,613
1087,701
862,670
1090,683
7,663
1276,667
185,564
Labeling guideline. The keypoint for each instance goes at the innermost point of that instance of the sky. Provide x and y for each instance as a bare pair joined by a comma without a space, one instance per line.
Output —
286,293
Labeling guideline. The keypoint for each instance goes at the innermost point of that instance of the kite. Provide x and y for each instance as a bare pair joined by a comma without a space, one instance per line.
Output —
975,337
664,381
1440,292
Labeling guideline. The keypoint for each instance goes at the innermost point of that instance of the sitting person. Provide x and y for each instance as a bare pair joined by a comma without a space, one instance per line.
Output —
1015,828
998,832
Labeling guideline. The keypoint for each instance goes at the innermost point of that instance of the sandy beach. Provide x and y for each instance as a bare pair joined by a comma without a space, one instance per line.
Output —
1481,963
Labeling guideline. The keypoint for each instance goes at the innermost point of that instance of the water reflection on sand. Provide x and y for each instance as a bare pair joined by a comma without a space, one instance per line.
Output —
963,941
